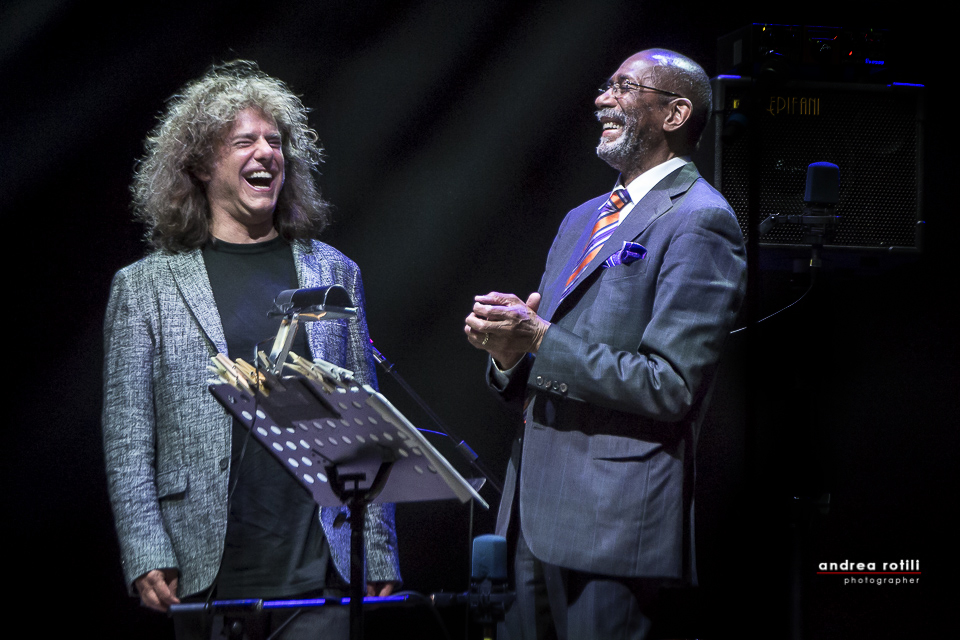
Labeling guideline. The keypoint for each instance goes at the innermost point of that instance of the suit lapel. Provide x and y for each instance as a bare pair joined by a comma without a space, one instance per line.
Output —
193,282
658,201
190,274
310,274
571,250
305,259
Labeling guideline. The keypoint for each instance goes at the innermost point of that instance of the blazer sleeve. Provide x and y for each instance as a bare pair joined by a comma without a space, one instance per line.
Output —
129,428
359,357
699,286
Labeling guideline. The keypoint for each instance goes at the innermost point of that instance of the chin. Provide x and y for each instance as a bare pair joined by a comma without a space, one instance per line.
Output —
612,153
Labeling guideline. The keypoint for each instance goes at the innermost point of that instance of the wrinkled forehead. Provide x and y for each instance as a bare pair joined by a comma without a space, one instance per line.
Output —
244,122
637,68
244,119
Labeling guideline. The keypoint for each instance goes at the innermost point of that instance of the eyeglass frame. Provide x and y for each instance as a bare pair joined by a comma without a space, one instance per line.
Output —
623,86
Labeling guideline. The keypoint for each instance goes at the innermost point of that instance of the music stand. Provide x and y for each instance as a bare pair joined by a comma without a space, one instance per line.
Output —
343,441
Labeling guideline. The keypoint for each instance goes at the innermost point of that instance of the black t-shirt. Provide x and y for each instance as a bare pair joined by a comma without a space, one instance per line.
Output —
274,546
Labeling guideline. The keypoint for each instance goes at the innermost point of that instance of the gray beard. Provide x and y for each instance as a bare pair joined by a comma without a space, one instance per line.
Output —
628,148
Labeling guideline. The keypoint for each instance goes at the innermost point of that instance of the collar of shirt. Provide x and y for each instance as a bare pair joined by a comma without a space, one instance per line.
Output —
647,180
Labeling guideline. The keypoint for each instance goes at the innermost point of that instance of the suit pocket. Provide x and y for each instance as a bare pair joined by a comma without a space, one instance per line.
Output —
618,306
172,484
634,269
618,448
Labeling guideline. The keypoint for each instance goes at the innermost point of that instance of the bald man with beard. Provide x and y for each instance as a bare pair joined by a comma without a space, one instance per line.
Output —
611,362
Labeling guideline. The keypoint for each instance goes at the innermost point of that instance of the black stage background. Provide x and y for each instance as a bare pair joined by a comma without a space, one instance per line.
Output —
457,135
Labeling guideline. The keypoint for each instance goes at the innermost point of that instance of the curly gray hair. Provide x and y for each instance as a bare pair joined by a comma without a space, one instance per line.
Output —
167,194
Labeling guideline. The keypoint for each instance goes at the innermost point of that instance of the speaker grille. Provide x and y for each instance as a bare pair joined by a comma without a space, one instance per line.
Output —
872,133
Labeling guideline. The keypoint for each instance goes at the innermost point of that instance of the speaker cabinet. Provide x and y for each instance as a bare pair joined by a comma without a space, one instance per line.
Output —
872,132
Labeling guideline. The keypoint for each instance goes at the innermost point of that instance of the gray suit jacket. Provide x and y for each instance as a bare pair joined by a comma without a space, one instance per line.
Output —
618,385
167,440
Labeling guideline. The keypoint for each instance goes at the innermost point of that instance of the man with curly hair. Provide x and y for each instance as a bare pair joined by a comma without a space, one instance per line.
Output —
232,212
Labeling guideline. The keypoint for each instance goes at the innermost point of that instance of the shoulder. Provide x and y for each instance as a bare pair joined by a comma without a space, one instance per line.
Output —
154,267
701,205
710,204
144,269
710,224
322,253
325,261
688,187
136,290
706,196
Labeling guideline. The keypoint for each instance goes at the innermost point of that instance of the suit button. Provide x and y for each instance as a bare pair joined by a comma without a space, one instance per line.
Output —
563,387
556,385
539,380
224,463
547,383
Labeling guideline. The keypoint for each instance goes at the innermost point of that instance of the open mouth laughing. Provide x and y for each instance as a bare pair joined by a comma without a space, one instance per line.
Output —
260,179
611,120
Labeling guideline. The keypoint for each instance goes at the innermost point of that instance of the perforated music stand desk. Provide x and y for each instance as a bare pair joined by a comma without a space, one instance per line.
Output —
346,444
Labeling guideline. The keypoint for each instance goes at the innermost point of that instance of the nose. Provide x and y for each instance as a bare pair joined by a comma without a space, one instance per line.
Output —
262,149
605,100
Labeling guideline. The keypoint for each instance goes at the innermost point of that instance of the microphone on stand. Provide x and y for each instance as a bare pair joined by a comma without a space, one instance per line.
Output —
488,596
818,218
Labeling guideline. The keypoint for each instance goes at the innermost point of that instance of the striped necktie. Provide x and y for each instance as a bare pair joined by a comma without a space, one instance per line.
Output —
608,217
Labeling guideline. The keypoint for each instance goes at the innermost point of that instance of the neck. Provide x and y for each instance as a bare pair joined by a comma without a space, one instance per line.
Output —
242,234
227,228
647,162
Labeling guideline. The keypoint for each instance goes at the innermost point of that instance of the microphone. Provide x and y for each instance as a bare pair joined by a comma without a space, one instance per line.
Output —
820,197
488,596
489,560
823,184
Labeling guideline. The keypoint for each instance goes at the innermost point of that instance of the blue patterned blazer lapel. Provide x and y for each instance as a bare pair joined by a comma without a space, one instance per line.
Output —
313,271
307,267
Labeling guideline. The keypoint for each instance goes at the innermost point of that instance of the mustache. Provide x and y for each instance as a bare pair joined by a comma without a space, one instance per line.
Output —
617,115
611,113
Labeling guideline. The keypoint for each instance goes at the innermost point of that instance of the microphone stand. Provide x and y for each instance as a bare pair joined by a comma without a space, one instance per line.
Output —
463,448
818,218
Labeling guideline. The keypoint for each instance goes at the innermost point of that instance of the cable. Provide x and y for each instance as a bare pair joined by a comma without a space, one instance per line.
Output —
777,312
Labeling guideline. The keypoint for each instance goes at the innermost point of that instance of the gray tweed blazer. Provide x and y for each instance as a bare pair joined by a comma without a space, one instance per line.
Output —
167,440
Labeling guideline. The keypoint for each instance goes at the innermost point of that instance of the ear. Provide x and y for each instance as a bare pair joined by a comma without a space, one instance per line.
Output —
678,112
203,175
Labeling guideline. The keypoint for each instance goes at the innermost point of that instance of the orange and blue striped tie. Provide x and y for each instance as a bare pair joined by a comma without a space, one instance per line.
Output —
608,218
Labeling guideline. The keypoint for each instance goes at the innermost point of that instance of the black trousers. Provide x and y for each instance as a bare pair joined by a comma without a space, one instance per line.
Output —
563,604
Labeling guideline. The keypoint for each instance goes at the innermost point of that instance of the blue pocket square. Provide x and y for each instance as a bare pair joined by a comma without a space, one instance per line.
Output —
631,252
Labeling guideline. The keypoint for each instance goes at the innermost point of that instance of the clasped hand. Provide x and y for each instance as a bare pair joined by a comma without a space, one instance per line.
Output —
505,326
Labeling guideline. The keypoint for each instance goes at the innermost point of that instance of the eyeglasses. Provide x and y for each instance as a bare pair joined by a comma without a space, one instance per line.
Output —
623,86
